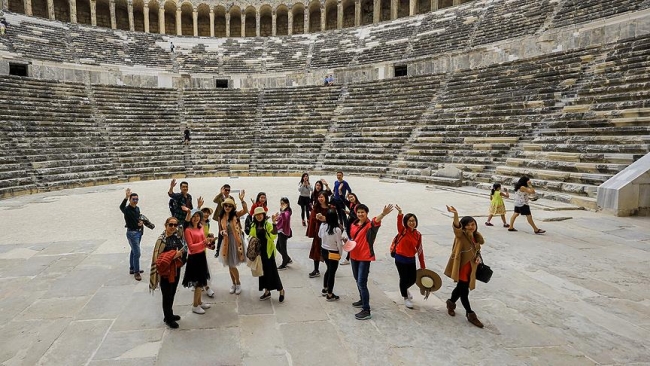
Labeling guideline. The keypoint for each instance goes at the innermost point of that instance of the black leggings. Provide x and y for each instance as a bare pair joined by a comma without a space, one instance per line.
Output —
462,291
407,276
330,274
281,245
304,212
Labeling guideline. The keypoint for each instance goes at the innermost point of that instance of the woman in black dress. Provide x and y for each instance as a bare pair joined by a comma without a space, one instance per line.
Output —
266,233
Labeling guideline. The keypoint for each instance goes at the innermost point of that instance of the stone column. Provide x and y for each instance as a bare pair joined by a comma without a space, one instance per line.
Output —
50,9
28,7
306,18
129,6
93,13
179,25
274,23
111,7
145,11
290,22
161,19
339,15
227,24
195,22
73,11
394,4
434,5
211,22
456,2
413,7
257,22
357,13
322,17
243,25
376,11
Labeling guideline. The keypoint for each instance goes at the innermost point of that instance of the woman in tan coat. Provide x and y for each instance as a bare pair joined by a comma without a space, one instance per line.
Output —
233,250
463,262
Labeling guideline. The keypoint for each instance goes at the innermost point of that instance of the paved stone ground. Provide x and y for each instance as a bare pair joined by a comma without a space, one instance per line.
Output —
577,295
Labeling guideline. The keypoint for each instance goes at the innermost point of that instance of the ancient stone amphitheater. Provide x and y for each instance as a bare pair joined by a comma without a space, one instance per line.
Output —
430,91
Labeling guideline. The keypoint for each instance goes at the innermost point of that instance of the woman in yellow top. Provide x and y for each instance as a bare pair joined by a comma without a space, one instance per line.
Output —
462,264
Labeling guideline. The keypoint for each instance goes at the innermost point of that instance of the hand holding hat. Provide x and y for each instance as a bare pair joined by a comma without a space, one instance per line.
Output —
428,281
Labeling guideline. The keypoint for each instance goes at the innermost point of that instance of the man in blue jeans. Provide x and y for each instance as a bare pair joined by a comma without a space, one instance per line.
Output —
133,231
364,232
340,192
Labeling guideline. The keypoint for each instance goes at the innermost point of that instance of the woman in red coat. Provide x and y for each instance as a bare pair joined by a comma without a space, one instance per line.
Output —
316,217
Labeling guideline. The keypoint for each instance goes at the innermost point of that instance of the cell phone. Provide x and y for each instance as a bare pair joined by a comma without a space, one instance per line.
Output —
235,191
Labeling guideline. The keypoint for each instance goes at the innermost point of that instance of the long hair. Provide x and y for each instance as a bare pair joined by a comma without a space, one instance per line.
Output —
316,191
356,199
466,220
257,200
327,197
495,187
286,200
332,220
522,182
198,226
233,213
302,179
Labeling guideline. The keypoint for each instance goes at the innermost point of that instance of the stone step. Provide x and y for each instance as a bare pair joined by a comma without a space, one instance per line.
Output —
598,168
554,175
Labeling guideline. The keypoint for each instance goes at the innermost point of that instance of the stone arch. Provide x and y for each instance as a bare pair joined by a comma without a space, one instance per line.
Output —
314,16
331,16
251,22
121,15
62,10
187,19
403,8
219,21
445,3
203,20
170,17
298,15
103,14
16,6
235,21
138,15
83,11
154,25
281,20
367,11
39,8
266,21
424,6
348,13
384,13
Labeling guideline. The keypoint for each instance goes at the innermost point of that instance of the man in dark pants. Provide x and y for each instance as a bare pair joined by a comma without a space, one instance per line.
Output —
341,190
133,231
183,201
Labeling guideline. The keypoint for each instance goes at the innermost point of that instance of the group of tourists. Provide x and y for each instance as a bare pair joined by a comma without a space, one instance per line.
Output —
341,228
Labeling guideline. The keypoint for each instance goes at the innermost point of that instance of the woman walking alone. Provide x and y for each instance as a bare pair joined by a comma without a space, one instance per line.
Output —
523,190
409,245
233,251
332,246
461,267
304,200
497,206
266,232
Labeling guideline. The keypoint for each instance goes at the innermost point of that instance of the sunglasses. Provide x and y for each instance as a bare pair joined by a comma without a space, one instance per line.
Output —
135,199
172,225
228,206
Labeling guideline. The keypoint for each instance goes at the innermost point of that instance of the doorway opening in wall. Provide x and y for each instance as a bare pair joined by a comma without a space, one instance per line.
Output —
222,83
401,70
18,69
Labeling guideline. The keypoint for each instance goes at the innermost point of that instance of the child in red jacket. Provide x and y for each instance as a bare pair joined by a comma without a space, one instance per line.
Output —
408,245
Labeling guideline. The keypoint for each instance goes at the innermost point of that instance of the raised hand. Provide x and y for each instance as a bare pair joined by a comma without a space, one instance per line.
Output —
242,194
399,209
274,217
452,209
173,183
387,209
128,192
200,202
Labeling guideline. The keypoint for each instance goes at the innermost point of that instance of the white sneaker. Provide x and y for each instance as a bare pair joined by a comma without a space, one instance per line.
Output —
408,303
408,293
198,310
205,306
209,292
232,289
238,289
345,262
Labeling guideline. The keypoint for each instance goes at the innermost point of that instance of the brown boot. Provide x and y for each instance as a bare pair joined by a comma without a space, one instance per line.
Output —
451,306
471,317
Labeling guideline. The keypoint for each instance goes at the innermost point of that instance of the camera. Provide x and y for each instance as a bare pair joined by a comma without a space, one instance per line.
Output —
146,222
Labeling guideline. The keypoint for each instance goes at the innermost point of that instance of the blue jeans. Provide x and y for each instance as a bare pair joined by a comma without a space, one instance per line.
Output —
360,270
134,237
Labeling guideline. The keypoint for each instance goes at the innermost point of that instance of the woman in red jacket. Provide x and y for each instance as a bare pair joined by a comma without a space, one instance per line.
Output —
409,244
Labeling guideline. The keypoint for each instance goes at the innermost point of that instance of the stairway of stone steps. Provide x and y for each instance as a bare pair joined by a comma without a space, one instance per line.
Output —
548,22
188,159
328,146
257,137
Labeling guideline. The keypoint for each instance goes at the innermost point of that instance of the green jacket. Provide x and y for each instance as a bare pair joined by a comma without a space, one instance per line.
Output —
270,236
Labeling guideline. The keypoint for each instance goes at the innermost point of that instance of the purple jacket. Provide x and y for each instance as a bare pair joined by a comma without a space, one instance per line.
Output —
284,223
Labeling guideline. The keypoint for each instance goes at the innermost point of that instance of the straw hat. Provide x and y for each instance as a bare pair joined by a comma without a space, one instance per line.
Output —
428,281
259,210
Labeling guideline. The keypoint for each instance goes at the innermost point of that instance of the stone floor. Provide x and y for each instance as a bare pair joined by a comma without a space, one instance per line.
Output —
577,295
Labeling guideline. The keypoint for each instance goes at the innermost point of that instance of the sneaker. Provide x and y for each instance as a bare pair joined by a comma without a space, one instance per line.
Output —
487,223
345,262
408,303
172,324
282,267
363,315
237,289
304,223
332,298
323,292
357,304
408,294
506,225
198,310
314,274
137,277
265,296
232,289
209,292
290,261
205,306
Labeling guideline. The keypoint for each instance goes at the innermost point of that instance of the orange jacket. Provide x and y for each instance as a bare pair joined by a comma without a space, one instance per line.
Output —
410,243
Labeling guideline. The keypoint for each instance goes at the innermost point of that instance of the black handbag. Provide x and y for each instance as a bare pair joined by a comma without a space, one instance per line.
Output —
483,271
